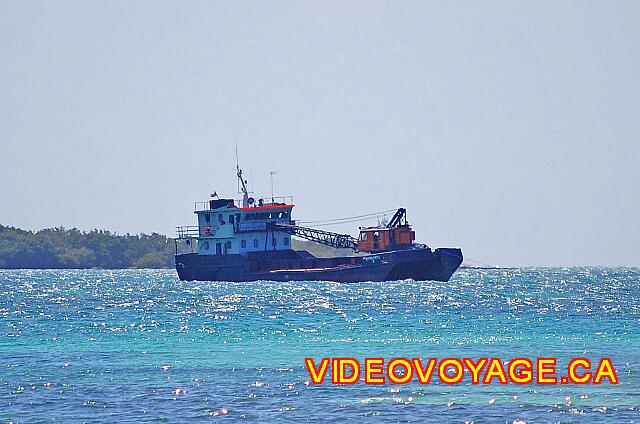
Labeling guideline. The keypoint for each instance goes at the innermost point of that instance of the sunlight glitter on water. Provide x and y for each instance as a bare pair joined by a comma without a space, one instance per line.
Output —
118,345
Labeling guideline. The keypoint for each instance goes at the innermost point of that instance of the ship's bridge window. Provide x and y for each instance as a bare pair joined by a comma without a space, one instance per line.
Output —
284,214
255,242
363,236
228,244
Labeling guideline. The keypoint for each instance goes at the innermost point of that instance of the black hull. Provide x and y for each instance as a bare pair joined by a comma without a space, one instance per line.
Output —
289,265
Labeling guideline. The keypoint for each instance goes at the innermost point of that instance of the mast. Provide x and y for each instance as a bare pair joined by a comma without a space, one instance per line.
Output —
245,192
272,199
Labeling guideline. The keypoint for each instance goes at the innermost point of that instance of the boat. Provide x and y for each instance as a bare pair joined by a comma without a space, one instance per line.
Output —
250,240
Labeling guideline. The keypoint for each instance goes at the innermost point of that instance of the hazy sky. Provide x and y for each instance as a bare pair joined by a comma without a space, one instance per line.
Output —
509,129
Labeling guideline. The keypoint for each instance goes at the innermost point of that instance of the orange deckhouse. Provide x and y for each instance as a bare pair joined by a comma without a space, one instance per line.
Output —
397,234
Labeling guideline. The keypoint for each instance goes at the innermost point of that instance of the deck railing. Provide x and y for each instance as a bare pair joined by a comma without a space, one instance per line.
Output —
193,231
188,231
205,206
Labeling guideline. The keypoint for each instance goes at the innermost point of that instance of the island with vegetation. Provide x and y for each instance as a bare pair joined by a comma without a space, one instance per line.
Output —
72,248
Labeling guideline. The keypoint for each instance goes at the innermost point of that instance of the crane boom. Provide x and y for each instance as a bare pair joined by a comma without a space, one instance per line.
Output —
338,241
399,218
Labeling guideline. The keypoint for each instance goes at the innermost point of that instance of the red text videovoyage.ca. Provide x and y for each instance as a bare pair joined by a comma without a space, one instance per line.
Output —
458,370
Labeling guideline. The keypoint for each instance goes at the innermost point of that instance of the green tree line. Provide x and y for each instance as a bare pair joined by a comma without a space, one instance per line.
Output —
72,248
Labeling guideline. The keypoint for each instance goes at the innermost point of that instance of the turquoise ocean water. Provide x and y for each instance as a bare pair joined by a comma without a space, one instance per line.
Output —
141,346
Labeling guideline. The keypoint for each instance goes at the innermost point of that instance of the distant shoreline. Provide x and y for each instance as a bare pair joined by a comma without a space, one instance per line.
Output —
62,248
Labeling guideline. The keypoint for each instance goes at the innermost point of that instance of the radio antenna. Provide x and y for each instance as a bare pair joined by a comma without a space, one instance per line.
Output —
251,178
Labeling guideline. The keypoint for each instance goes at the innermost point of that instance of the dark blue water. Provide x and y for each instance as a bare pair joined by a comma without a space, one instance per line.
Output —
142,346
